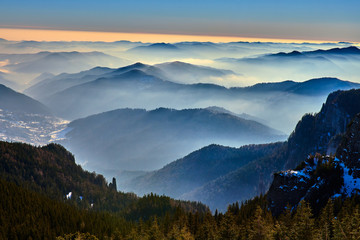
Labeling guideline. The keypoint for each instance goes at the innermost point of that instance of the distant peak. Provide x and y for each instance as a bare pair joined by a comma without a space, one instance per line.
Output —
345,50
163,45
293,53
138,64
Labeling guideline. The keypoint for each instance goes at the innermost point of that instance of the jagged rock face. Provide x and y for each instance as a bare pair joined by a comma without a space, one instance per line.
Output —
315,181
286,189
320,133
348,151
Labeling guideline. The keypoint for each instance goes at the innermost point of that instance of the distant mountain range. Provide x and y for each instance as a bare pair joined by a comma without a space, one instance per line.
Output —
51,85
135,139
298,64
58,62
318,86
317,55
73,96
175,71
155,47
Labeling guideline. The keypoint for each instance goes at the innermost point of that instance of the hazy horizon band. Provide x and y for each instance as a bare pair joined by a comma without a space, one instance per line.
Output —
15,34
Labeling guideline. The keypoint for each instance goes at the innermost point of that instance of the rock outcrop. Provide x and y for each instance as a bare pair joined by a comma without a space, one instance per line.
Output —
320,177
315,181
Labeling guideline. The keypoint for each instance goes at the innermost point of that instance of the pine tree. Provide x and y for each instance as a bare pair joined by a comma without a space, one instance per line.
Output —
228,230
325,222
208,229
260,229
154,232
283,226
303,223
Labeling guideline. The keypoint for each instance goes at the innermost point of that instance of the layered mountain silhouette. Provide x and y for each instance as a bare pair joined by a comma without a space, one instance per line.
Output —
317,55
52,84
103,89
336,62
135,139
176,71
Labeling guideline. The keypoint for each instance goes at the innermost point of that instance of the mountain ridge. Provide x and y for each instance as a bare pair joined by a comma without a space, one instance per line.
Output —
136,137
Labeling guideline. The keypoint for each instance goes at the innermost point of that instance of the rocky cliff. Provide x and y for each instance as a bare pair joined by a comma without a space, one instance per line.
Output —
322,132
349,149
321,177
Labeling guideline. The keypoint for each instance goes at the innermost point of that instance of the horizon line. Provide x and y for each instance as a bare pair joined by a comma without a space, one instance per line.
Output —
48,35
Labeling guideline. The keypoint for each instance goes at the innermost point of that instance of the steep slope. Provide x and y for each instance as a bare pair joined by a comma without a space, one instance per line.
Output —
331,121
135,139
320,177
51,170
44,194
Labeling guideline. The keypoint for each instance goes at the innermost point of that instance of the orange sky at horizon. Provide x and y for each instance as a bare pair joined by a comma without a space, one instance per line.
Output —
14,34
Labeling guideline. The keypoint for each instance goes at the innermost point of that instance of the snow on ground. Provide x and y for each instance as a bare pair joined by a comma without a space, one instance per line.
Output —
351,184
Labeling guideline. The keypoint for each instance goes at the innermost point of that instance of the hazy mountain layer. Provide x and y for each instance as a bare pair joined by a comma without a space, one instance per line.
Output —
174,71
135,139
297,65
57,62
87,94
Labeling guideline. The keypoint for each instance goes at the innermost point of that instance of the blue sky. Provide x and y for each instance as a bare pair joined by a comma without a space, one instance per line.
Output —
330,20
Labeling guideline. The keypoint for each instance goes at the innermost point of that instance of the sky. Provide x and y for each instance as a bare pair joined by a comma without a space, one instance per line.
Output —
330,20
